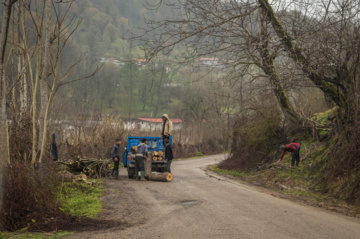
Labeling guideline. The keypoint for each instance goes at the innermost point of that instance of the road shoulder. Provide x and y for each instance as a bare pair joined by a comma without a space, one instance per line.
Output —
328,204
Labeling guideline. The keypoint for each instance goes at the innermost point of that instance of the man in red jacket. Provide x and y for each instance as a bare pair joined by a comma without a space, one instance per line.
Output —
294,148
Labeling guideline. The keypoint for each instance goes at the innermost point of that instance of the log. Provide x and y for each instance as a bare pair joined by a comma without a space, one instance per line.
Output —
134,149
161,153
162,177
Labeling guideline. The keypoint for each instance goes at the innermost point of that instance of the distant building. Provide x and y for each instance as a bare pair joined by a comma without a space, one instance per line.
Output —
209,61
140,62
172,85
111,60
118,63
150,124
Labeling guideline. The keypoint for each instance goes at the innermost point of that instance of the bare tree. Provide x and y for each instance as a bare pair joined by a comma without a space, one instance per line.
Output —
251,36
337,74
233,30
37,20
24,101
64,28
38,62
4,134
46,62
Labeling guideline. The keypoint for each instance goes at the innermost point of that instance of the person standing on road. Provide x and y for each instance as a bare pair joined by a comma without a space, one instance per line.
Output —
141,154
294,148
167,128
116,159
168,154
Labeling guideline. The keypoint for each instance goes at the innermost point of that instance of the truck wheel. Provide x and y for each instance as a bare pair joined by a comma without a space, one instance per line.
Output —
131,172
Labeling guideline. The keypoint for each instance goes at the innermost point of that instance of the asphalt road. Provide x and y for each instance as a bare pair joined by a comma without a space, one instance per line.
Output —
200,204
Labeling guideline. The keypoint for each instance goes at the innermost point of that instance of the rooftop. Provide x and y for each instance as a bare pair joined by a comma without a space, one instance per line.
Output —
209,59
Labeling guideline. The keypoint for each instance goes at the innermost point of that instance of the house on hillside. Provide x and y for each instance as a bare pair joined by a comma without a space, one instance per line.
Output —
140,62
150,124
172,85
209,61
111,60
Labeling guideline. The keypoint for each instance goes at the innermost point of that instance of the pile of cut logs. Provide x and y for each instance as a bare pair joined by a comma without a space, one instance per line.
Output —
93,168
157,156
154,176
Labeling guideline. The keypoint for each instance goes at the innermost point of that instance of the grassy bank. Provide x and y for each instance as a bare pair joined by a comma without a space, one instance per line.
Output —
291,180
304,182
77,199
32,235
80,199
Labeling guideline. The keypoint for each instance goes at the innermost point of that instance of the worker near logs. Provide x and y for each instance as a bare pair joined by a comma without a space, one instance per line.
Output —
141,154
53,149
167,128
116,159
168,154
294,148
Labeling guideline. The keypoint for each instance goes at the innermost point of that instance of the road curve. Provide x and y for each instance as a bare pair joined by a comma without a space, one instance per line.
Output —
196,205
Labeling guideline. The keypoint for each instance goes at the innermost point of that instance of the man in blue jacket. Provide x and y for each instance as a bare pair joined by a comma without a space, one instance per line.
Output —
141,154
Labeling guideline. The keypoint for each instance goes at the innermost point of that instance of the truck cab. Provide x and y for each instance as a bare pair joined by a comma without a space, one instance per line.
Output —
154,144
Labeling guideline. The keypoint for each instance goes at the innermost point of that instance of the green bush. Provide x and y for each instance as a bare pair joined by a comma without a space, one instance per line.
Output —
198,154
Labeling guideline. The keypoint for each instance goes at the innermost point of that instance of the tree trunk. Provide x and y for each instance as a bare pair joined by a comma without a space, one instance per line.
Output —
36,85
269,68
43,141
279,91
163,177
4,137
45,72
296,54
52,93
24,94
21,64
158,94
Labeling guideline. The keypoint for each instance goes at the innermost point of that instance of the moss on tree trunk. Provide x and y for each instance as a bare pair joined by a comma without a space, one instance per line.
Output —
296,54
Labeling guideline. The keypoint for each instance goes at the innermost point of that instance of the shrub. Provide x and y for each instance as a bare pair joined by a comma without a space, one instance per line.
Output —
254,138
30,197
342,175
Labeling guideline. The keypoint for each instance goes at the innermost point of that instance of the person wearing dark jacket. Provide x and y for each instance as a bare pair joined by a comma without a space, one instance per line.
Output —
294,148
53,149
116,158
168,154
141,154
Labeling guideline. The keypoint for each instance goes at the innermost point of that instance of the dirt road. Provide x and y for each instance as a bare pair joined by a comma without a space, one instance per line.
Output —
201,205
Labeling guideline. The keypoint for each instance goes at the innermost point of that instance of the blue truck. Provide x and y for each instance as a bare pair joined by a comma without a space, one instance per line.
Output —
154,144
